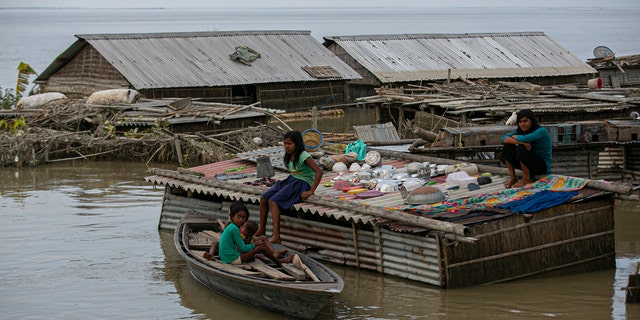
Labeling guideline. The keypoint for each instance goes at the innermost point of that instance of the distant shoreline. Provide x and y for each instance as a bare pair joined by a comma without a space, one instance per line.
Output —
78,8
598,7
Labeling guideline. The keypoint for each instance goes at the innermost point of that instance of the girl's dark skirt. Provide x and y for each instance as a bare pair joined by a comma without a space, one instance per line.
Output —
287,192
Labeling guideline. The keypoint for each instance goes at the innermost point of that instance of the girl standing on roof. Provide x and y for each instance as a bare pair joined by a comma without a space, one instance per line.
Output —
302,182
527,148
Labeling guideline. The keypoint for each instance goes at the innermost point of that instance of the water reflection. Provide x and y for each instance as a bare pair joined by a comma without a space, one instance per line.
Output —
368,295
89,230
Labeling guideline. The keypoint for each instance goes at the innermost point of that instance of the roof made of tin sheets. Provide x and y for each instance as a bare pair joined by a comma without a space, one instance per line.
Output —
413,57
246,174
245,169
201,59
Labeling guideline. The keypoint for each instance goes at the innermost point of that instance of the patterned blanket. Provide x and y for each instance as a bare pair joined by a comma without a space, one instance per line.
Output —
550,183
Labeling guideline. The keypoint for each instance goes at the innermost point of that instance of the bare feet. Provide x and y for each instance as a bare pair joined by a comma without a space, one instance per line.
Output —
287,259
207,256
522,183
510,183
275,239
259,232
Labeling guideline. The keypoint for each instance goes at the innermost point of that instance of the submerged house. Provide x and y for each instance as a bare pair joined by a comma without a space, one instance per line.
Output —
398,59
280,69
472,237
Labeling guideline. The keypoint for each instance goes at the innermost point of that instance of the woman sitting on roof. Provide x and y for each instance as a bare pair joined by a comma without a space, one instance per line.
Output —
527,148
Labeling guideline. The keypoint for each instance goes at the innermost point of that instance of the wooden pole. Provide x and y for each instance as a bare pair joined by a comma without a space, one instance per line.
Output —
633,286
176,143
314,117
421,158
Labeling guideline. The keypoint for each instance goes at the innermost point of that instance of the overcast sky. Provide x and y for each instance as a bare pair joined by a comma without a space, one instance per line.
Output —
314,3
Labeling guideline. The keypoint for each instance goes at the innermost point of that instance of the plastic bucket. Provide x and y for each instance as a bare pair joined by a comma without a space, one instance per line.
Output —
594,83
312,139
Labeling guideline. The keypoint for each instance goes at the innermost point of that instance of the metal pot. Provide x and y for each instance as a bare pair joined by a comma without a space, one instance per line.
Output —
424,195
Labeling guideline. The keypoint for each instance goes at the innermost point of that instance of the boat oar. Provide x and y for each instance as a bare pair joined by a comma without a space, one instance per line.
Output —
300,265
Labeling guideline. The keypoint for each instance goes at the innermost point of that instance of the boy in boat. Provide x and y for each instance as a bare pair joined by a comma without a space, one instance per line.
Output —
233,249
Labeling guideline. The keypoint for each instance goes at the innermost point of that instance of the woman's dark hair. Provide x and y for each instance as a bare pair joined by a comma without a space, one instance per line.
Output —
295,137
237,207
528,114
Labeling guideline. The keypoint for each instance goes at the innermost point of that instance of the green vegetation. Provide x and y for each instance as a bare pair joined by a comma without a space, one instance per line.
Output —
24,72
13,125
7,99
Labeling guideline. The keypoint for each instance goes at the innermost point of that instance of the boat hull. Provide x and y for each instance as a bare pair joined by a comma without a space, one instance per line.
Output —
300,299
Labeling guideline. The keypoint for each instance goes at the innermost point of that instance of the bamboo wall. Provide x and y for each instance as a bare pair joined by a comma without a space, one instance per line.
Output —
298,96
560,240
367,77
211,94
86,73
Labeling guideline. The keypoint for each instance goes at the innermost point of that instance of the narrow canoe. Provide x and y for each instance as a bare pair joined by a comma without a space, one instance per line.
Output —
259,284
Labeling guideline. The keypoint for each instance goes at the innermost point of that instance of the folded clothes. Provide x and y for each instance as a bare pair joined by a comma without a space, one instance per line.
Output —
229,176
538,201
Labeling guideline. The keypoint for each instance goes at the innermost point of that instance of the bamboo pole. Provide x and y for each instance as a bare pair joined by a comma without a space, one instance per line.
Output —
394,215
614,187
421,158
620,188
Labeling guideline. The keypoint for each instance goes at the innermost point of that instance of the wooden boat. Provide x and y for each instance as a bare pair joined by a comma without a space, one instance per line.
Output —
300,289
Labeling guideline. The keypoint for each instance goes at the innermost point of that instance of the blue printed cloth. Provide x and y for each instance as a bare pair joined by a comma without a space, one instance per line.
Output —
538,201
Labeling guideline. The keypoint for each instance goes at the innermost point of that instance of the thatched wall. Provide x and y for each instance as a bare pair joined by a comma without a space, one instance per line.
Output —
297,96
367,77
561,239
210,94
86,73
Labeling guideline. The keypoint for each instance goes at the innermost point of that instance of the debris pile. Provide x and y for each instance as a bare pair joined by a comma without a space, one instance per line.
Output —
72,129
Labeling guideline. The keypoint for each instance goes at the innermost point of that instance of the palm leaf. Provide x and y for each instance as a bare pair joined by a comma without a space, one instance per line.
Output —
24,71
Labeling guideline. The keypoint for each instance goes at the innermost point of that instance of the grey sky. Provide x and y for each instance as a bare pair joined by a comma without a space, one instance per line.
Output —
314,3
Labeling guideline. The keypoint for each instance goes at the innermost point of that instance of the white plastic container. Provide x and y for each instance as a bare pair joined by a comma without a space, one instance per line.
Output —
454,177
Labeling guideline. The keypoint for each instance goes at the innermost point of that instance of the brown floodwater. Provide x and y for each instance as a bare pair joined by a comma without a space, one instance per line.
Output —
79,240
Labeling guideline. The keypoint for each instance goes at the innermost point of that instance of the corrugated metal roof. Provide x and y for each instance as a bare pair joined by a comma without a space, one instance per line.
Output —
201,59
245,166
413,57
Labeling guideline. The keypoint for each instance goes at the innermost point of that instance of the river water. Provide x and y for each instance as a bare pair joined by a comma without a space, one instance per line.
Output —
79,240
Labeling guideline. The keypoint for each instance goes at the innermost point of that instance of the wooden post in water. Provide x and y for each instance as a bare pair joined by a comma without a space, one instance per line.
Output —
633,287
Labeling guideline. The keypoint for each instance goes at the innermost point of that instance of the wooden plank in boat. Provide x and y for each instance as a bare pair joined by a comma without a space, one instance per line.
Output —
200,240
213,234
293,271
226,267
271,272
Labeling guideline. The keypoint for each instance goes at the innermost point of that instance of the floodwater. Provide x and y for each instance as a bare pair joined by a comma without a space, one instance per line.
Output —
79,240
